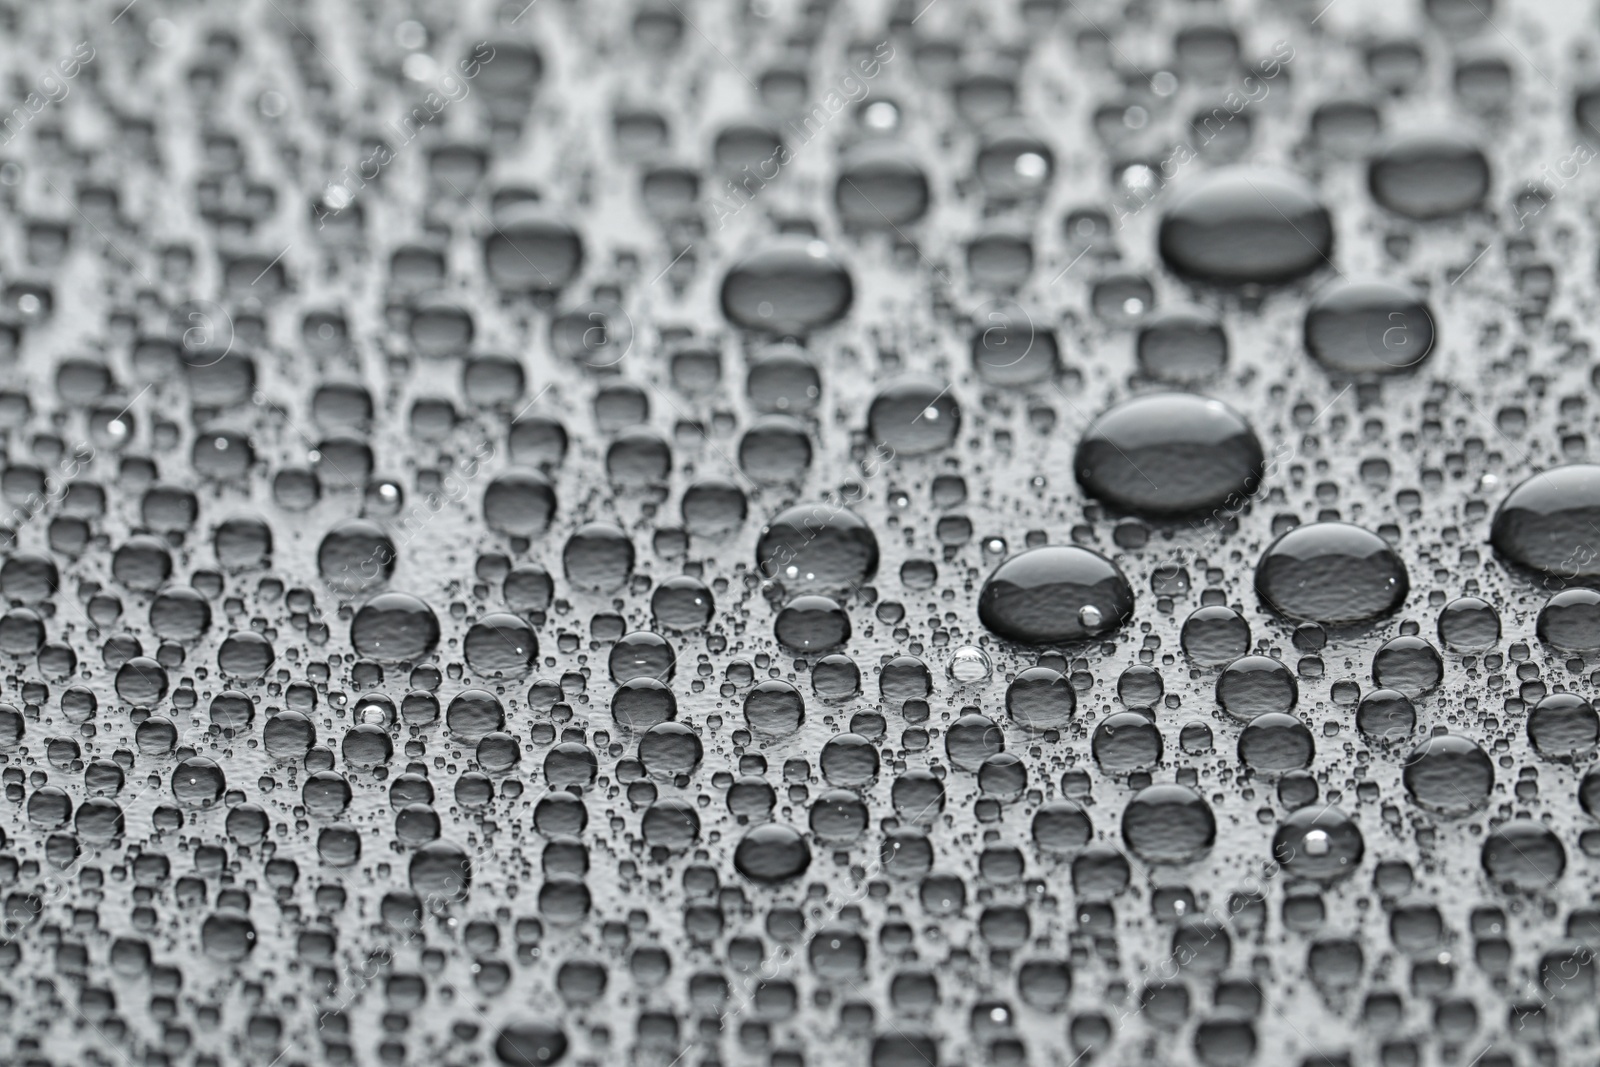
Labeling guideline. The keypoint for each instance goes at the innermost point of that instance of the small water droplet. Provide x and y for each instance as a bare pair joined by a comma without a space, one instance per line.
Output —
969,664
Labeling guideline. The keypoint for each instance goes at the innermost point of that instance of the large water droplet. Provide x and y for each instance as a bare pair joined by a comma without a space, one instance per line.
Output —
1332,573
1170,454
1367,328
1429,176
1242,225
817,547
1551,522
792,286
1037,596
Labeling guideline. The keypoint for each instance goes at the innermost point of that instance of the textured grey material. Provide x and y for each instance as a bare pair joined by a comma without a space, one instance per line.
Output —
505,503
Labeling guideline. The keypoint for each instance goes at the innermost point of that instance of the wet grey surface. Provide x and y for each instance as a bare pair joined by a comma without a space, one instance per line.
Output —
798,533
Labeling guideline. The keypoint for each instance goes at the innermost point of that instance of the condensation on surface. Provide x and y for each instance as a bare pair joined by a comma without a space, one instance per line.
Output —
673,533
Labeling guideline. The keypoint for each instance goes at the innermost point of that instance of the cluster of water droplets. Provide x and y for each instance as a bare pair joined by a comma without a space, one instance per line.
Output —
790,532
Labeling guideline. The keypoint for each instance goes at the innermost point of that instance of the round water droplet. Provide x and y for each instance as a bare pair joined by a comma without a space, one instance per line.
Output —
1215,635
641,703
1013,163
530,1044
598,557
498,645
1041,698
441,873
772,853
1062,828
812,623
1009,351
1168,824
682,603
880,186
227,935
817,548
1524,856
1429,176
774,708
1386,716
971,739
713,508
1243,225
1332,573
1256,685
1184,346
1039,596
1127,741
1318,843
1570,621
1273,743
520,503
848,760
394,628
1548,522
198,782
1368,328
356,555
970,665
1170,454
1408,664
529,251
792,286
1469,624
915,418
1563,726
776,450
1449,774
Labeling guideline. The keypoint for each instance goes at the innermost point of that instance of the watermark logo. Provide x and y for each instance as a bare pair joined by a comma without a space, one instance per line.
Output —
1140,182
1397,339
449,89
596,334
1538,195
1006,333
204,332
850,88
50,88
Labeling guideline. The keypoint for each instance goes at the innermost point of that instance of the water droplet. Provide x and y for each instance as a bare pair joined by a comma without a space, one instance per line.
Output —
1332,573
1170,454
1040,596
1242,225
